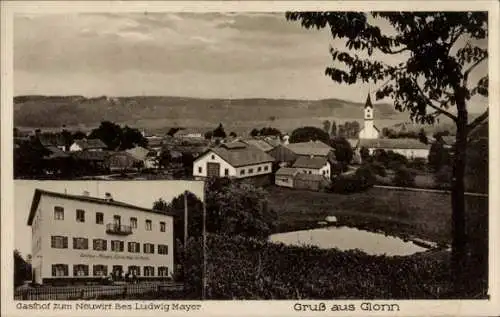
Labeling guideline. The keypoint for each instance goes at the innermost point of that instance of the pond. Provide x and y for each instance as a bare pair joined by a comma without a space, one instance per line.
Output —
345,238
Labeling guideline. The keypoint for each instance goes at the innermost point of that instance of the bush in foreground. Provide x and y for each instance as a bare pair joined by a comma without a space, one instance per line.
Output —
250,269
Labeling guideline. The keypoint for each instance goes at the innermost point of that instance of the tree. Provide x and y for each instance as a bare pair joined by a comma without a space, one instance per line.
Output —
238,208
219,132
109,133
306,134
131,137
404,177
233,134
343,150
208,135
22,269
438,52
422,136
255,132
334,129
438,156
365,154
327,126
78,135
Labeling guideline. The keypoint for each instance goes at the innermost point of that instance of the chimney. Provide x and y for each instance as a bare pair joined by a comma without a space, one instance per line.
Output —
86,193
108,197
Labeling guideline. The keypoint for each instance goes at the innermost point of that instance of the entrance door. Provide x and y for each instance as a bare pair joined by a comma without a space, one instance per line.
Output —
213,169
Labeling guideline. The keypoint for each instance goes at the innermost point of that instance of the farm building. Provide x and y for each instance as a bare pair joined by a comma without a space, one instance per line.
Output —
145,157
411,148
284,176
309,181
316,148
283,155
121,161
236,159
318,165
87,145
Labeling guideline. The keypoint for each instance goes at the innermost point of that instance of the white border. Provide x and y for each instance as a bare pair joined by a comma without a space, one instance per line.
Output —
250,308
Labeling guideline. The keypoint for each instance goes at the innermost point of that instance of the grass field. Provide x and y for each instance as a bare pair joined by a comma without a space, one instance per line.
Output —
403,213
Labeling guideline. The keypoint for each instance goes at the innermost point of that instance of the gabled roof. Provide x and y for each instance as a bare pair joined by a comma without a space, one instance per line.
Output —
316,162
40,192
260,144
282,153
240,154
287,171
316,148
138,153
388,144
87,144
55,152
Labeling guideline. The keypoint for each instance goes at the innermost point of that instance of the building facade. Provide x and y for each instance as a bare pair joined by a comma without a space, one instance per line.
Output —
237,160
82,238
313,165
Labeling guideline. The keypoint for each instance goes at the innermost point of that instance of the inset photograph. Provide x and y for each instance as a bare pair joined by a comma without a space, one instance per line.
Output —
101,240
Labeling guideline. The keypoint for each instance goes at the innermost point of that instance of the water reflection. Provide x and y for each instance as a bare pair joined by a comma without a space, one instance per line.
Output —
345,238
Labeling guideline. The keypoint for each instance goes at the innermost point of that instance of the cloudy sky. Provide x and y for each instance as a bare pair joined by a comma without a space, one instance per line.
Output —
184,54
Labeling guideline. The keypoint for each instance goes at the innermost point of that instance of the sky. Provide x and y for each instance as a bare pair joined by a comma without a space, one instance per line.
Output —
139,193
210,55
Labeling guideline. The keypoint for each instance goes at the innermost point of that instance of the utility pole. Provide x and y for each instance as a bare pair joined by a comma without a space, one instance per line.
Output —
204,235
185,219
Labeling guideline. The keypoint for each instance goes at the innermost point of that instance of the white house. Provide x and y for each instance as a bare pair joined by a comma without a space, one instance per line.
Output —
87,145
315,165
235,159
369,131
411,148
82,238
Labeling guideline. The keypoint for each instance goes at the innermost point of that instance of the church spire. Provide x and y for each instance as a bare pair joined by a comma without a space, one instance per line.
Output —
368,102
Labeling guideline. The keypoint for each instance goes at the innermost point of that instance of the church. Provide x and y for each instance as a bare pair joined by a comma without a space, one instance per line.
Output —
371,138
369,131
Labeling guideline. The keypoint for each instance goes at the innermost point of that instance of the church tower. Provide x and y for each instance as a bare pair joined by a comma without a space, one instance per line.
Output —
369,130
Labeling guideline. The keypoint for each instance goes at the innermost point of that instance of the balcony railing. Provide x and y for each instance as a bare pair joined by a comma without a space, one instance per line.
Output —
113,228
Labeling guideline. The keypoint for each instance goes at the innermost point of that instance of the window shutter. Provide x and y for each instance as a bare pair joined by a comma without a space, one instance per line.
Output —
122,245
65,242
74,243
53,270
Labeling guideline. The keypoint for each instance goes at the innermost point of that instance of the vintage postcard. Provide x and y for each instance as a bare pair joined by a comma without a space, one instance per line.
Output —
250,158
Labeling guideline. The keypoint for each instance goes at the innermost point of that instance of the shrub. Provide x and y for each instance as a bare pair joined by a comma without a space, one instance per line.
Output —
442,177
378,169
363,179
404,177
418,163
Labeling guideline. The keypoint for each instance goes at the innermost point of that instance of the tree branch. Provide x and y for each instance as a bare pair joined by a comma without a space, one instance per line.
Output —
471,68
478,120
391,52
433,106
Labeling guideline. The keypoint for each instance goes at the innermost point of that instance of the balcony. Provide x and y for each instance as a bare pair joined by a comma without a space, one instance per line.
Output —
121,230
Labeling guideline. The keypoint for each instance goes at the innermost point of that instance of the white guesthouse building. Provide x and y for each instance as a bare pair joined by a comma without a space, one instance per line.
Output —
236,159
81,238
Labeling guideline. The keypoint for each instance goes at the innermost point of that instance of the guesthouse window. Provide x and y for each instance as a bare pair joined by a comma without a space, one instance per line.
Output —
200,170
80,270
149,225
117,245
242,172
162,249
99,218
259,169
134,247
133,223
149,248
149,271
250,170
226,171
80,215
213,157
134,270
80,243
59,242
100,270
60,270
162,226
163,271
266,168
100,244
58,213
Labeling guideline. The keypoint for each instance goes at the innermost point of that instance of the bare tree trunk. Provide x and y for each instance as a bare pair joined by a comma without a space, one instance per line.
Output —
459,243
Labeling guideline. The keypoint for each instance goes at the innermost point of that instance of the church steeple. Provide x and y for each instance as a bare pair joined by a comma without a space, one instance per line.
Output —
368,102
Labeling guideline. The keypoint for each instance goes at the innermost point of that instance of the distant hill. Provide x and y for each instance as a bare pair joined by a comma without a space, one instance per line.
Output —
158,113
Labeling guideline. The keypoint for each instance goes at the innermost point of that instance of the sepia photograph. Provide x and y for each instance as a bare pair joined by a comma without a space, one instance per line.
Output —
100,239
295,153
